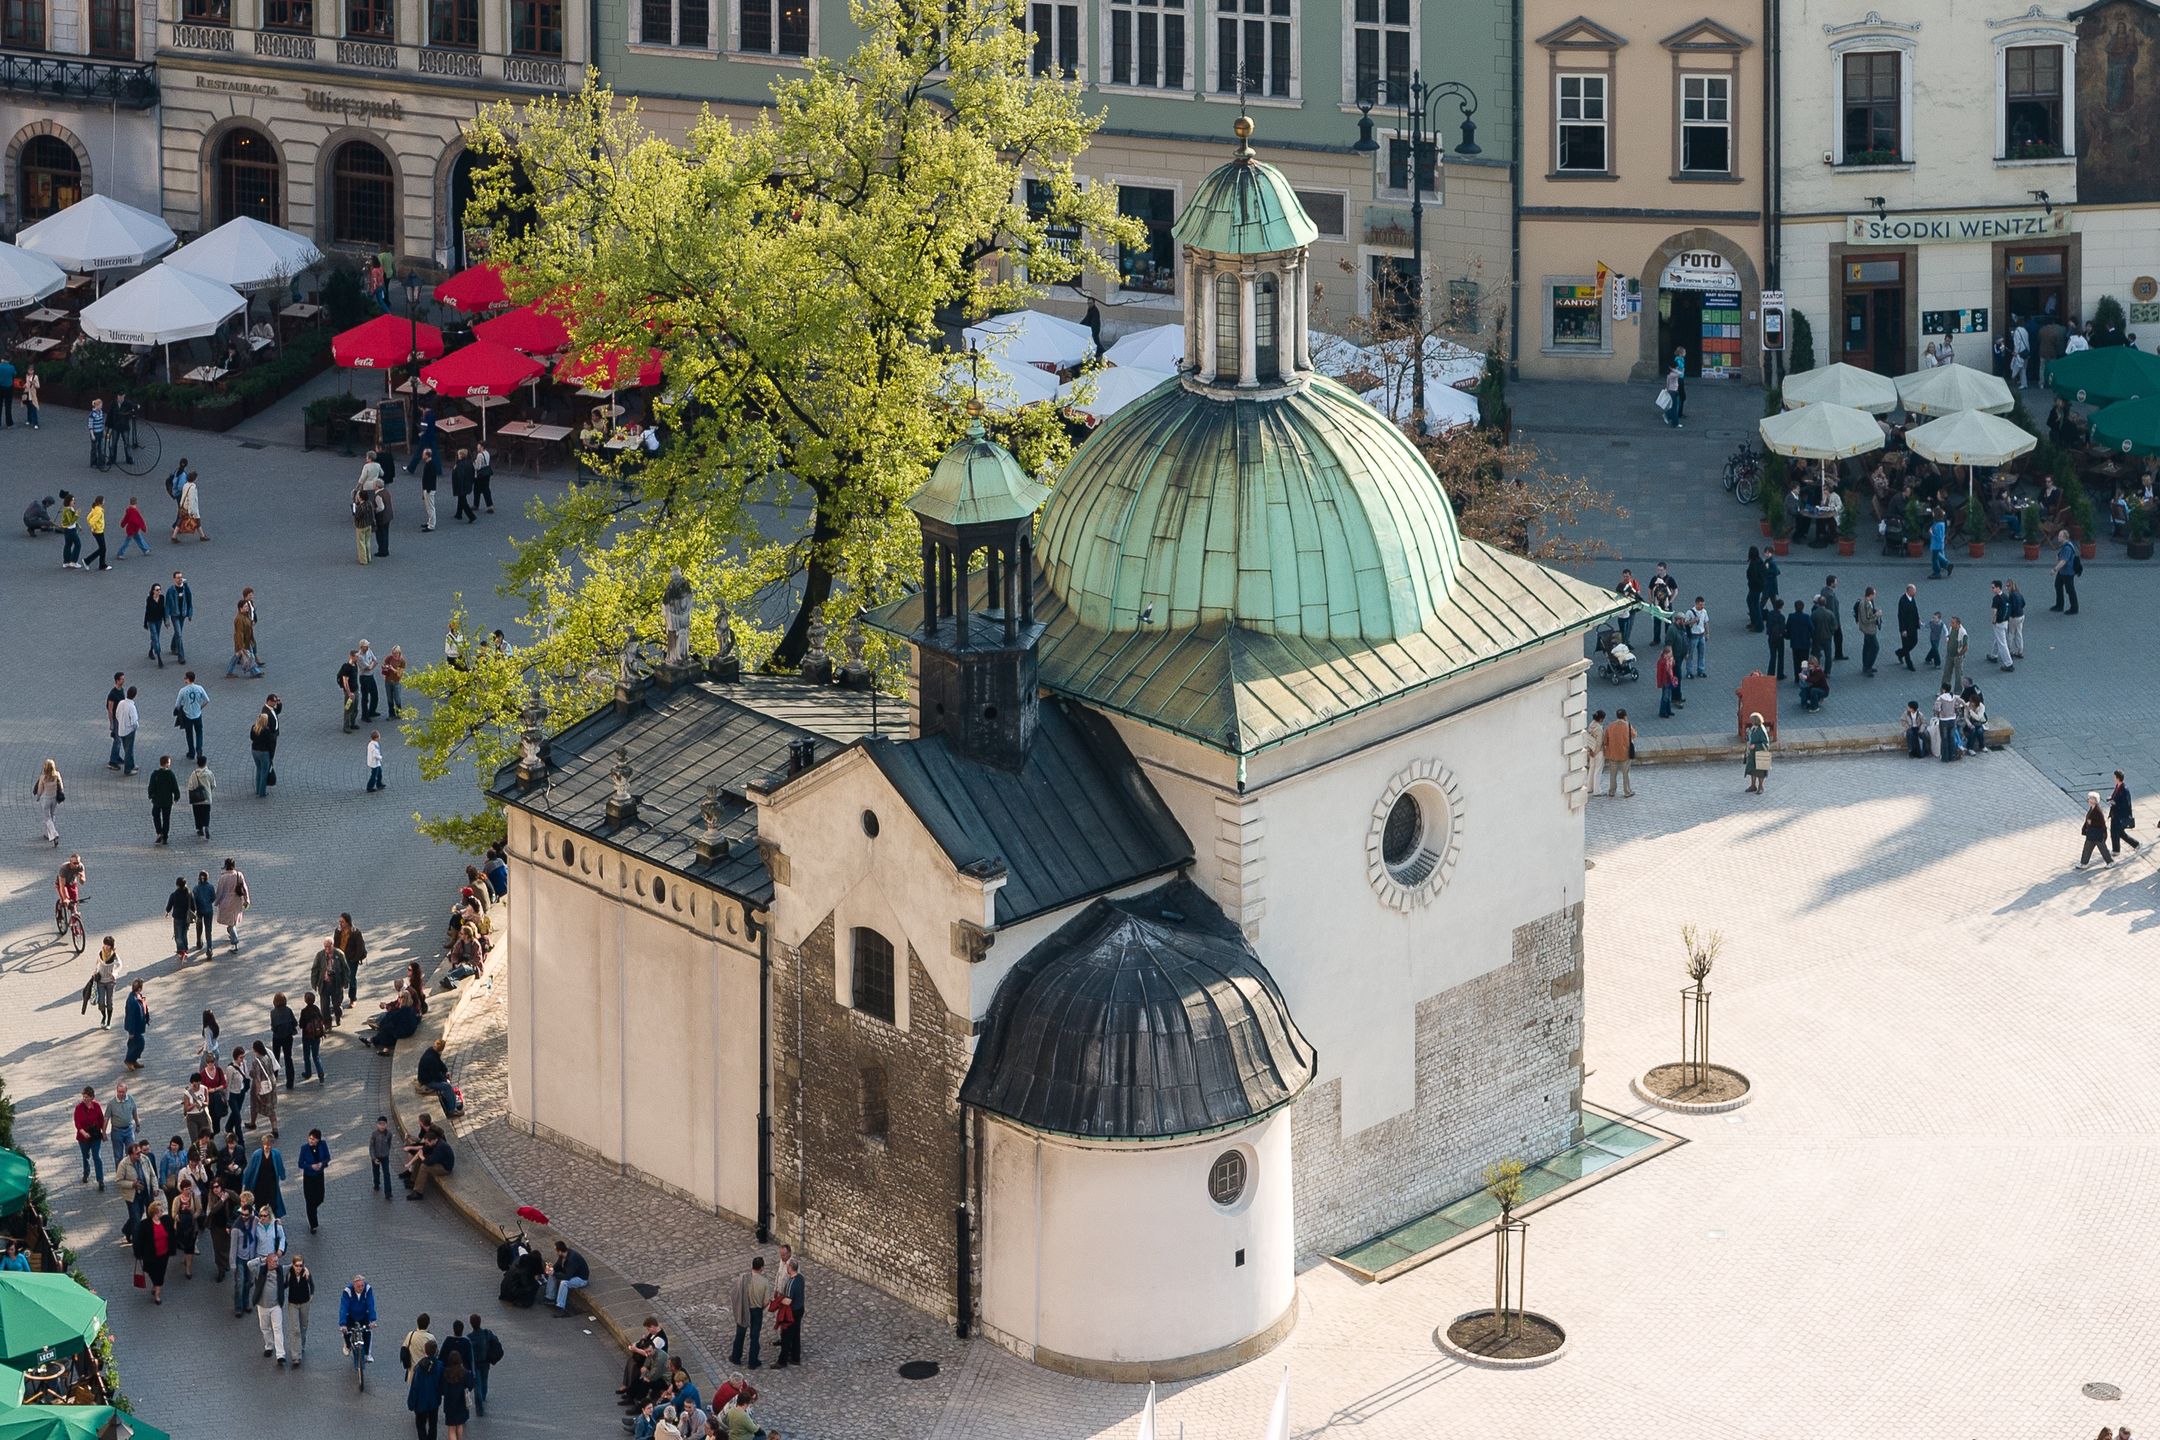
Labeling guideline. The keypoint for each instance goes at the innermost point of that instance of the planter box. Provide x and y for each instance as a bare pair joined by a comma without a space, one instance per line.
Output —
1781,547
2087,549
2032,551
1977,549
1845,547
1914,549
2141,549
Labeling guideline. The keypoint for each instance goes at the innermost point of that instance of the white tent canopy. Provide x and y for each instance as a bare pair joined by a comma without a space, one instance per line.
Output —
159,306
1970,437
1947,389
25,278
1114,388
1004,384
1394,360
1846,386
1821,432
246,254
1159,347
98,233
1446,408
1030,337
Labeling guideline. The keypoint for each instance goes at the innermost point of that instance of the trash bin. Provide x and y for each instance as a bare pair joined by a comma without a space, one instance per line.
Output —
1757,695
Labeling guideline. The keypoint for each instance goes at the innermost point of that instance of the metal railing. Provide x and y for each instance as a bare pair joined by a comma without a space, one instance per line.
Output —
133,87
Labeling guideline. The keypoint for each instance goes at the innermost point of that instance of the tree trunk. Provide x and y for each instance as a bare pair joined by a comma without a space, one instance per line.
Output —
817,589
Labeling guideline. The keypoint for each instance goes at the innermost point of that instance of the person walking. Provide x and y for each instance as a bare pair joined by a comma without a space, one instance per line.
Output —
1822,631
1999,627
243,644
2094,827
190,521
423,1392
1594,746
1757,592
312,1026
393,680
94,522
232,900
241,1253
205,894
1619,753
100,985
791,1290
370,666
456,1395
284,1030
152,1242
1757,766
299,1294
132,529
751,1292
264,1177
1676,390
2121,819
487,1351
1938,539
329,977
1908,624
374,761
379,1148
2067,568
2017,622
70,532
180,908
314,1166
1774,632
268,1284
154,621
429,478
348,679
484,478
49,790
32,387
201,788
263,743
164,794
1664,675
179,609
1837,619
350,940
363,515
1956,641
96,425
136,1022
461,480
1868,617
127,723
90,1135
1799,635
188,708
123,1121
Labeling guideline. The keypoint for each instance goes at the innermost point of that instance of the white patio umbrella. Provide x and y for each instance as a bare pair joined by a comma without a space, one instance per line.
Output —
246,254
25,278
1003,385
1446,408
1114,388
159,306
1969,438
1947,389
1839,384
1159,347
98,233
1822,432
1030,337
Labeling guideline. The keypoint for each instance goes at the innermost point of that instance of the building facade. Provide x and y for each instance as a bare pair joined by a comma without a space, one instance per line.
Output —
1644,175
345,121
1952,169
78,105
1167,74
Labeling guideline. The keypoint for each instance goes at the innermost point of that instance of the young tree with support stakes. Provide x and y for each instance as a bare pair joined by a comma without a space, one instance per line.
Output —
1702,953
1511,1245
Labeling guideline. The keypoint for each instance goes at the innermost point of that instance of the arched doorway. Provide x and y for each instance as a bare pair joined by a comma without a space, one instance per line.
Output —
1701,292
468,245
363,197
249,177
49,178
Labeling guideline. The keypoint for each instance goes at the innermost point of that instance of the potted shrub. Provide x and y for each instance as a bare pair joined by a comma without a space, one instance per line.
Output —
1975,528
1773,509
2081,511
1848,526
320,418
2029,522
1915,530
2141,545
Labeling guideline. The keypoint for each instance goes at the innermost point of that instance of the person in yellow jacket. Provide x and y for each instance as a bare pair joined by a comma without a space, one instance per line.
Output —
96,521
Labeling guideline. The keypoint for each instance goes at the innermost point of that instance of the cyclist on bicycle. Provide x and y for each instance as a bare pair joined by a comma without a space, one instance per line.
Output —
356,1310
69,882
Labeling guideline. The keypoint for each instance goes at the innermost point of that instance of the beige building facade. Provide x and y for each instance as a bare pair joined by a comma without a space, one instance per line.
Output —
1644,171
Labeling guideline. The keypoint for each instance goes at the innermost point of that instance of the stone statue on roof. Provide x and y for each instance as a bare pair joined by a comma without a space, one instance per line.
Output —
632,664
675,605
723,634
620,774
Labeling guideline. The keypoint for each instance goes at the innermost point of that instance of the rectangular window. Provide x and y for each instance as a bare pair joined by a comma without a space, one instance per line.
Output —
1064,239
774,27
1393,296
371,19
205,12
1151,267
1398,166
23,26
2033,102
1055,26
1380,51
296,16
536,28
1582,148
1252,47
454,24
1873,133
872,989
1325,209
685,23
1147,43
1706,124
112,28
1578,319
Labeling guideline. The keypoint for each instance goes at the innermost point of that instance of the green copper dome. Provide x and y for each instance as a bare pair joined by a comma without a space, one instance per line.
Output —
1245,208
978,482
1302,514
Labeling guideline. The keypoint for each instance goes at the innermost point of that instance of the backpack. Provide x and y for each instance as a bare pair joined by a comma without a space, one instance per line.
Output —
175,483
494,1355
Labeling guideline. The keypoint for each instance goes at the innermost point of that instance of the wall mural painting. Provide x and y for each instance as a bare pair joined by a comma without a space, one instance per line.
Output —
2118,102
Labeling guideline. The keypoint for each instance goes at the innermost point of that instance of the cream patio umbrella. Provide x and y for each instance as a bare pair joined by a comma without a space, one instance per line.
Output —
25,278
98,233
1822,433
1970,438
159,306
1843,385
1948,389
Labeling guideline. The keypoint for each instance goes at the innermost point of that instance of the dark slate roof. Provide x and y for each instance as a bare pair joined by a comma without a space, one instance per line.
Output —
1143,1018
1076,819
680,741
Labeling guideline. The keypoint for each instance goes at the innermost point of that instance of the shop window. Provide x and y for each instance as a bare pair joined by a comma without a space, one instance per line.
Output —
370,20
363,191
1252,46
1581,147
22,24
1576,316
248,177
1380,46
1873,128
2032,102
536,28
773,27
1147,44
1055,26
871,979
1706,124
1151,266
454,24
112,28
50,178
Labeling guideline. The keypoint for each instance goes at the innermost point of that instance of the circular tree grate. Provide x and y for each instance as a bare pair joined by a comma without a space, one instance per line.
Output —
2101,1390
918,1369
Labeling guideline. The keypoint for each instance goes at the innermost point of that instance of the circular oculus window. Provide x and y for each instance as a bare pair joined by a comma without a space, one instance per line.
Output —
1226,1178
1415,833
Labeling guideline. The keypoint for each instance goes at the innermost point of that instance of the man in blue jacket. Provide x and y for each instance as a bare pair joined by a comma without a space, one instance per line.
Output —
179,608
137,1024
356,1306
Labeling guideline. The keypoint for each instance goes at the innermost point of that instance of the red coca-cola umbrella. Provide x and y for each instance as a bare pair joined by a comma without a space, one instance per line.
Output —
473,290
385,343
480,369
528,328
611,368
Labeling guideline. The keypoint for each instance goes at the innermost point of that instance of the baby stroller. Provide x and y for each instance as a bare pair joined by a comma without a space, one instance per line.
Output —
1615,661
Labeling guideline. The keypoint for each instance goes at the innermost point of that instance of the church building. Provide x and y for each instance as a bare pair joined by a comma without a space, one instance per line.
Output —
1215,902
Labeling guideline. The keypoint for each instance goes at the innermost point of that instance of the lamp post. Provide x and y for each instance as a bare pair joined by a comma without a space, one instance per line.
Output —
1417,120
412,349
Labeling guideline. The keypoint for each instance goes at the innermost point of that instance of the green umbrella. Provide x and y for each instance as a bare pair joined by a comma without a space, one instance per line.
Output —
2102,376
74,1422
40,1312
15,1171
2129,427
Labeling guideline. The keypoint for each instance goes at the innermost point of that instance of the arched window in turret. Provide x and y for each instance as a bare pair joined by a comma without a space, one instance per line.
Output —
1226,327
1265,323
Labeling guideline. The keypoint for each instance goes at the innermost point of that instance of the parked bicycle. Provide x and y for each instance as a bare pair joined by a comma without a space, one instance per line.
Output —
1743,473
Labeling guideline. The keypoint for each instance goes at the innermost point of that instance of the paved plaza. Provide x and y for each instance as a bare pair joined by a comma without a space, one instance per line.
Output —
1932,1219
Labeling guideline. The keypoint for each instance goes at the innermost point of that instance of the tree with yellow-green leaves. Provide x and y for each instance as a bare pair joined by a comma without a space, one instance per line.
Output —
796,272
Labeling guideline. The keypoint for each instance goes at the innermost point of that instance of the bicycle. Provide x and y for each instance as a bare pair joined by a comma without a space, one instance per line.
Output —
356,1345
1743,473
140,455
67,922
